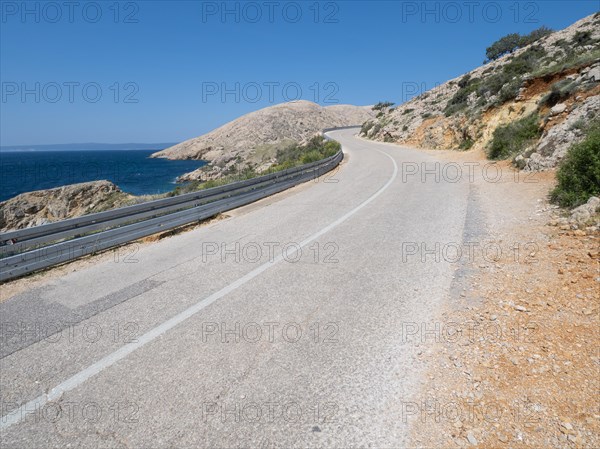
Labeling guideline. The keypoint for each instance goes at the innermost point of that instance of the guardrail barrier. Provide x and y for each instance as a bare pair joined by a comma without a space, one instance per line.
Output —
28,250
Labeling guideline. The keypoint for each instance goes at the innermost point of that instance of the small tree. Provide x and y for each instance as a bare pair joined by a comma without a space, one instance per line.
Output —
582,38
503,46
513,41
382,105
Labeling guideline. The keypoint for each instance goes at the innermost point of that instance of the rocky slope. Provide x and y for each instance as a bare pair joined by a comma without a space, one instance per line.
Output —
556,77
253,139
45,206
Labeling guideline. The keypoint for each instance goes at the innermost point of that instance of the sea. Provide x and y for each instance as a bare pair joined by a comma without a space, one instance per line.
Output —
132,170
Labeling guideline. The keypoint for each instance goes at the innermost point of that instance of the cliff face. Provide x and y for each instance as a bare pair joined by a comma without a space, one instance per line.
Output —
45,206
556,77
253,139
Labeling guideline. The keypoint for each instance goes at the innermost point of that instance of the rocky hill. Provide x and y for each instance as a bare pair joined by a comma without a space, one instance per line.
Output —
45,206
553,82
253,139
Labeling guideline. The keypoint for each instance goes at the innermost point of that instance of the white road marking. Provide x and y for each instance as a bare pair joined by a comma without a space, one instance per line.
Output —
32,406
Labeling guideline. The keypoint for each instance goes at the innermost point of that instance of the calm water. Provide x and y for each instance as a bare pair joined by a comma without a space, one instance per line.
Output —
132,170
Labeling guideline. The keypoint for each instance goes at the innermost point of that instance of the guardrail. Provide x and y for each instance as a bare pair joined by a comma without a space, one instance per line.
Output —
28,250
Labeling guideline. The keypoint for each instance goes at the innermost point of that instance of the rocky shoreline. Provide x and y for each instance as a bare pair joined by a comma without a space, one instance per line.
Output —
45,206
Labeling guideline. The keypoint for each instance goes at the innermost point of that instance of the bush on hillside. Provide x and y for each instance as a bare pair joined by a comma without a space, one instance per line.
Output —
579,175
459,100
315,149
512,138
366,127
559,91
582,38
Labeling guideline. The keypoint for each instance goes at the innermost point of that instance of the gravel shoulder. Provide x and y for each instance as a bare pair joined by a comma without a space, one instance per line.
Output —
515,358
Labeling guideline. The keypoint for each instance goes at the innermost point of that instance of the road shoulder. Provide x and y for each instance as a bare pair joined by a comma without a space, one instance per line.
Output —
515,359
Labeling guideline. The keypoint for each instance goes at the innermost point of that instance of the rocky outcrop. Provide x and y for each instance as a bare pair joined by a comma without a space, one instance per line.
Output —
45,206
463,113
557,139
253,139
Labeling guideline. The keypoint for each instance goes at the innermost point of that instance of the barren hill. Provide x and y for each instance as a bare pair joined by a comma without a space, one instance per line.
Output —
254,138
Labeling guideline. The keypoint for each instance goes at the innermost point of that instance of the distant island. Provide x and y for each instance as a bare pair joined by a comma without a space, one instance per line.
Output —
88,146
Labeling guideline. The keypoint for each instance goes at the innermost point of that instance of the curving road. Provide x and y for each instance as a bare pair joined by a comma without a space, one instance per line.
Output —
282,326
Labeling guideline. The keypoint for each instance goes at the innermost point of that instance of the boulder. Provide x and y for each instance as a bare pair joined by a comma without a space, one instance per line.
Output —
520,161
558,109
585,212
593,74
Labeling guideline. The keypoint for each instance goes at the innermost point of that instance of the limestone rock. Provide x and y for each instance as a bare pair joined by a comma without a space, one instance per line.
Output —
558,109
45,206
585,212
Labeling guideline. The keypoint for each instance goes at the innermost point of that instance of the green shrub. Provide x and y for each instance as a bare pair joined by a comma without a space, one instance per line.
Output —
466,144
315,149
509,91
511,139
579,124
407,111
569,61
459,100
579,175
330,148
405,128
493,84
535,35
187,187
506,83
582,38
366,127
464,81
526,62
559,91
311,156
451,109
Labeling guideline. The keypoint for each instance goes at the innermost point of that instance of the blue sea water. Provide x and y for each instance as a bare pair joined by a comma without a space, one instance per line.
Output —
132,170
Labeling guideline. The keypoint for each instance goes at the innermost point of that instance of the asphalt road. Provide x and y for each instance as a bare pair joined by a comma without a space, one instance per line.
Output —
290,324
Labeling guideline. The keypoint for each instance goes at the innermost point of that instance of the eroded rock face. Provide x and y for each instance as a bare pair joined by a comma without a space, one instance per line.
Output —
428,121
556,141
45,206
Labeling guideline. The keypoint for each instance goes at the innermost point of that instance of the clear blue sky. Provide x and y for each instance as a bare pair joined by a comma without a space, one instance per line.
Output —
174,58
